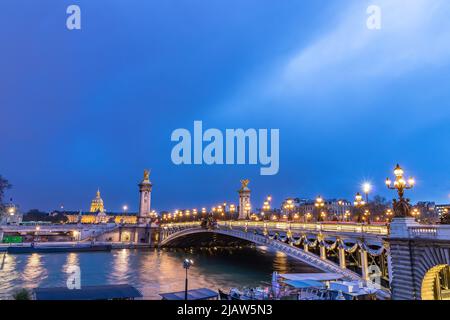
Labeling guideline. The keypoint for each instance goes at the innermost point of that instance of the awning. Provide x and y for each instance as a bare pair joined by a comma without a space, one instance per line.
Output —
305,284
107,292
311,276
194,294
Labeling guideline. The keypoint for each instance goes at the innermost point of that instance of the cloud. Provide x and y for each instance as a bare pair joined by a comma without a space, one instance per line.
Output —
414,34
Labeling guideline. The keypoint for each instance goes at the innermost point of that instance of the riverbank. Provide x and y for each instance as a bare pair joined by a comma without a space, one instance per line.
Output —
70,246
152,271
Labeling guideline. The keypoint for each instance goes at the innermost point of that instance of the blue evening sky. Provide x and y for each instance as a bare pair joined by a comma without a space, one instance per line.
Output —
92,108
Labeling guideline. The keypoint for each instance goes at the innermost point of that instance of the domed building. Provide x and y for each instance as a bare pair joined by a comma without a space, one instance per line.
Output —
97,204
97,214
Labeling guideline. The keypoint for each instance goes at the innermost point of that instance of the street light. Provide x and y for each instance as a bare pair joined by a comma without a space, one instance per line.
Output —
359,203
187,263
415,213
319,204
289,206
367,187
308,216
389,214
341,204
347,215
401,207
247,209
266,206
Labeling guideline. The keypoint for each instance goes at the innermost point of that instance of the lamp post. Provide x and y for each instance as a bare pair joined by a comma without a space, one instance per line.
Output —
289,206
232,211
266,206
341,204
319,204
308,216
347,215
401,206
247,209
187,263
415,213
359,203
389,214
367,187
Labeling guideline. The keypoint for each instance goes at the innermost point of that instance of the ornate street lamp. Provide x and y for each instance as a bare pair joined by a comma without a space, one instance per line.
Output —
415,213
367,187
187,263
289,206
266,207
402,207
247,209
359,203
319,204
308,217
232,210
389,214
341,204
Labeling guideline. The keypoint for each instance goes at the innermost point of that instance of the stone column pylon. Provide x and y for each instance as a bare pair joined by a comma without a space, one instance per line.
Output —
342,263
244,200
364,265
145,197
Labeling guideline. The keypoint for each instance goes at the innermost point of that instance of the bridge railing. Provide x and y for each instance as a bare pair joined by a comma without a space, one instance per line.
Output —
296,226
438,232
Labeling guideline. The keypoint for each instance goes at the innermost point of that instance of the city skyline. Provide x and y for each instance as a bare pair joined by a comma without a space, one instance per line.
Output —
93,107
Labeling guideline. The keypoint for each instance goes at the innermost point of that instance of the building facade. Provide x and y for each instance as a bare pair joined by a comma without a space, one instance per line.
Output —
98,214
10,214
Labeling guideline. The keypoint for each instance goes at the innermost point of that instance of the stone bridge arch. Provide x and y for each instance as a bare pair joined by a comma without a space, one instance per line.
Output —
292,251
416,264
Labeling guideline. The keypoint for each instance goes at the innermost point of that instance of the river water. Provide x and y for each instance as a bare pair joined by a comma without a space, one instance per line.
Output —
151,271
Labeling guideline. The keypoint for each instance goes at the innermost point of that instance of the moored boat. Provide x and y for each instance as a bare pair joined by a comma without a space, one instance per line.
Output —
55,249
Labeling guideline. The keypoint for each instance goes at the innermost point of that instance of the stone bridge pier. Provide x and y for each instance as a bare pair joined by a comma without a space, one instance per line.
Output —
420,260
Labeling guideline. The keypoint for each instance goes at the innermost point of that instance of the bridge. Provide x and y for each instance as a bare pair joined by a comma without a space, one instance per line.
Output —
111,232
349,249
407,258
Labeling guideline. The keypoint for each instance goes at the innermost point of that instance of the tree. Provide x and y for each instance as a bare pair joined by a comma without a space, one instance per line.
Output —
445,218
378,206
4,185
37,215
22,294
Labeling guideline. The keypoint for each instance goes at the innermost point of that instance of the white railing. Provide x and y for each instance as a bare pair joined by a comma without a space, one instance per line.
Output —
295,226
438,232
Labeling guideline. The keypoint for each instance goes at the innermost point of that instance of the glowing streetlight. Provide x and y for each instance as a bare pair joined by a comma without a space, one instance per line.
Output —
359,203
367,187
308,216
415,213
289,206
187,263
320,204
401,207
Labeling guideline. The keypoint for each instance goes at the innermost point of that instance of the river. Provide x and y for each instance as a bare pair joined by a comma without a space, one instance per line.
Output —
151,271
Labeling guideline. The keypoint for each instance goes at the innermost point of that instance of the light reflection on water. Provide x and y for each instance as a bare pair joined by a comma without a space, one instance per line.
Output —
151,271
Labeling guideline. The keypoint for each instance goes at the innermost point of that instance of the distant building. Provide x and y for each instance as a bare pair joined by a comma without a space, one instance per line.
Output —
442,209
332,207
428,212
10,214
97,214
97,203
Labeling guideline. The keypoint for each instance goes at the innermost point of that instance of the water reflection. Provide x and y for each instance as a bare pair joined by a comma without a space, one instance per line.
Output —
8,272
72,260
121,266
34,271
151,271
